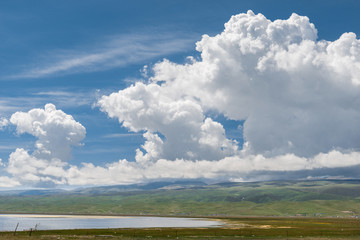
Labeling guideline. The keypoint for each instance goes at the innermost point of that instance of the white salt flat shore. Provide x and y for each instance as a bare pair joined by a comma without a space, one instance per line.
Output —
60,216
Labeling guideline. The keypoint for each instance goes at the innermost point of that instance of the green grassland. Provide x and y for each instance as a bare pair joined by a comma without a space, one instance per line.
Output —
290,198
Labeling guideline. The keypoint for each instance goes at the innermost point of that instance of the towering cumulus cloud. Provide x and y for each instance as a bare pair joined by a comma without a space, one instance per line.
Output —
297,95
299,98
57,132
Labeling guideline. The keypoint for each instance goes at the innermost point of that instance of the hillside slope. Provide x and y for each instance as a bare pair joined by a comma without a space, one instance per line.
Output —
278,198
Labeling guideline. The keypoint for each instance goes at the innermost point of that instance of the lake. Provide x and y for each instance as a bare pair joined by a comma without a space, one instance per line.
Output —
8,222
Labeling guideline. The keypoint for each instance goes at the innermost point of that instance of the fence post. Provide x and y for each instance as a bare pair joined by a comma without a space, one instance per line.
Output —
16,228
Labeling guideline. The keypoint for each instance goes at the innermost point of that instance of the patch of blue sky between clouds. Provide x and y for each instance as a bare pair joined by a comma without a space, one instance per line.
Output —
233,128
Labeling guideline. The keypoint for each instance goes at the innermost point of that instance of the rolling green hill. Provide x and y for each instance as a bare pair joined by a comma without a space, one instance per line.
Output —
278,198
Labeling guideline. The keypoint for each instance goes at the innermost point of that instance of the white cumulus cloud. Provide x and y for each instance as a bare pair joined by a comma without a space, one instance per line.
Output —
296,94
6,182
186,131
57,132
3,123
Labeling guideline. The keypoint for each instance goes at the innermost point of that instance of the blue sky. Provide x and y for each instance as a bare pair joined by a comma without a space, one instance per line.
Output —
71,53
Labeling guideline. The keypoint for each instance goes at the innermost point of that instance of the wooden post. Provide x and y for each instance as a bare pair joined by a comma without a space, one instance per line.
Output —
16,228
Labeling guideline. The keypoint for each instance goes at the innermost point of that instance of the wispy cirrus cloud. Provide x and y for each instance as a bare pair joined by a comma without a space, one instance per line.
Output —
116,51
54,93
63,98
122,135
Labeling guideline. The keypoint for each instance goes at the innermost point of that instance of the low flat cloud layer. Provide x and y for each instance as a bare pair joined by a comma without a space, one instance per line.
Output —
299,98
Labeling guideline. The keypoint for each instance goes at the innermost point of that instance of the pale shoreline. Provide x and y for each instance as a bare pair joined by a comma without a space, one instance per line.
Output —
83,216
62,216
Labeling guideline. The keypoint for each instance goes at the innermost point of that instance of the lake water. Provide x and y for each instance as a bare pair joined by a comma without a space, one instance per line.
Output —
8,222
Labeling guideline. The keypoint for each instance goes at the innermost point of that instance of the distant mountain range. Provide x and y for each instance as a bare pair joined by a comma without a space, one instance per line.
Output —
174,185
139,187
106,190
